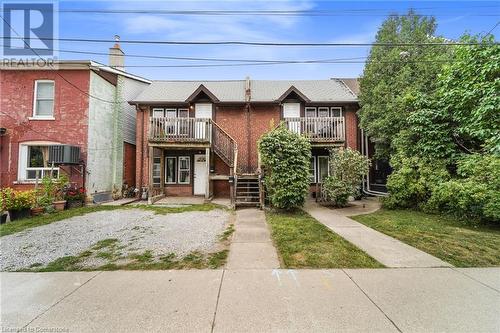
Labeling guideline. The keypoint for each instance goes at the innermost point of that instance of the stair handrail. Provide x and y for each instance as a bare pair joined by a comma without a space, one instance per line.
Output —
235,145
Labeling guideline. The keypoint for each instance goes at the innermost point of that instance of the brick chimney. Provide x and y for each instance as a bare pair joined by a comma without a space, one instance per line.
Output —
116,55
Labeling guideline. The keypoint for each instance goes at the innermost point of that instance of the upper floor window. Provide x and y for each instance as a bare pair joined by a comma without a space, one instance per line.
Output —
43,106
323,111
170,112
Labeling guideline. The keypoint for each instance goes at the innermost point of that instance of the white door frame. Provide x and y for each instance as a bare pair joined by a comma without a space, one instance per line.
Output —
202,110
292,110
200,176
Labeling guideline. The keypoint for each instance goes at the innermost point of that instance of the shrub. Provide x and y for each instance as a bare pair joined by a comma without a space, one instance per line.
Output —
347,168
412,181
475,194
16,200
286,156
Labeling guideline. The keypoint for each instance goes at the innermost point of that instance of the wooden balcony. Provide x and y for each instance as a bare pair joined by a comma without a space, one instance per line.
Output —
180,130
318,129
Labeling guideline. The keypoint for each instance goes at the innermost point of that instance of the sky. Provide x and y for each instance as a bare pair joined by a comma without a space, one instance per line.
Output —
350,22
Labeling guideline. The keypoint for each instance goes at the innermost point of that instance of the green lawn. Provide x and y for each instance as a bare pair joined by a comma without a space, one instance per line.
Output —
451,240
20,225
303,242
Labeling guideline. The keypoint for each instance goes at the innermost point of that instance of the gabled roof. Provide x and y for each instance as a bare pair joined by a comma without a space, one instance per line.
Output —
315,90
272,91
180,91
352,83
291,90
202,89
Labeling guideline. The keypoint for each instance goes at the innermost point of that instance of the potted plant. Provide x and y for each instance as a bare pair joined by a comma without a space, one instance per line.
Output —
41,201
18,203
59,192
75,197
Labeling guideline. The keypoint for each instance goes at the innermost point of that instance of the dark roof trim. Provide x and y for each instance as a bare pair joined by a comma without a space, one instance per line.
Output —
203,89
295,90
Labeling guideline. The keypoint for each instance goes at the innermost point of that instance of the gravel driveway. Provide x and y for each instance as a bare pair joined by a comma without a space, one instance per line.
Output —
137,230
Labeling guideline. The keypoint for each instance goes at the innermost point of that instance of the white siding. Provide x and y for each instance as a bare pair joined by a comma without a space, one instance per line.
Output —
131,89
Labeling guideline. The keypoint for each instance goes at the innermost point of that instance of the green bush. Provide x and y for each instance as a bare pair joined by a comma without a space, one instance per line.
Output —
16,200
347,168
286,156
474,194
411,183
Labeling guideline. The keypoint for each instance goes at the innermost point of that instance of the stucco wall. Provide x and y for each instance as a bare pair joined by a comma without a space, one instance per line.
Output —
101,166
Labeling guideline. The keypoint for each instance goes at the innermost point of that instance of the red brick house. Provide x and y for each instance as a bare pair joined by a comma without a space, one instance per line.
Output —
80,106
200,137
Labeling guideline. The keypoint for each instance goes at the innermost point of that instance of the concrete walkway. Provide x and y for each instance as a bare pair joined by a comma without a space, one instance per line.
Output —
251,246
376,300
387,250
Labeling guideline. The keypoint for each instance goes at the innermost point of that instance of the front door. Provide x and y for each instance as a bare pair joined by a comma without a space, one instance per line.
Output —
204,111
292,110
200,174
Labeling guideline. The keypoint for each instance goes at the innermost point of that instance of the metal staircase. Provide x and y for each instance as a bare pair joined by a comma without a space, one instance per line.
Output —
247,188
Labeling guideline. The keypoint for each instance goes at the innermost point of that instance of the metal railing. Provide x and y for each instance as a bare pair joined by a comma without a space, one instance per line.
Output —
319,129
164,129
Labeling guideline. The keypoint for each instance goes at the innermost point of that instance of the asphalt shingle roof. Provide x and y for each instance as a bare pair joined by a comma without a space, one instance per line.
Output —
234,91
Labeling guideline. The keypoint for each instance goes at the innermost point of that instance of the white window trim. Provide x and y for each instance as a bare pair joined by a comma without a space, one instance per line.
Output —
314,181
35,116
323,108
157,109
22,162
339,108
310,108
152,176
179,170
166,168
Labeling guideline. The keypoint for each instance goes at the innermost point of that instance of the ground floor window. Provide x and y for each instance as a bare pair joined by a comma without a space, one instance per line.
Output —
156,171
177,170
184,170
33,163
170,170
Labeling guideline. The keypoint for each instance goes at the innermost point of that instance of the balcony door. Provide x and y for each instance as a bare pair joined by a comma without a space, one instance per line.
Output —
292,110
202,111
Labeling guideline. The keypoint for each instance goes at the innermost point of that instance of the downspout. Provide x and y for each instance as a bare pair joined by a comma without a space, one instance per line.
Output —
248,92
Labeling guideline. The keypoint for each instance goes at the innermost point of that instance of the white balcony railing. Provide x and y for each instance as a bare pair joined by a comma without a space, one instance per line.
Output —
165,129
318,129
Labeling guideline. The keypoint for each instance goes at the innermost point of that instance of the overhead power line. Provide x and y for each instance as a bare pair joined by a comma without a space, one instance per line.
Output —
146,56
311,12
232,42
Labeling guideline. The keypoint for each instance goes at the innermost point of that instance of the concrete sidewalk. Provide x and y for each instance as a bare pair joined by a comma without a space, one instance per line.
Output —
376,300
251,245
387,250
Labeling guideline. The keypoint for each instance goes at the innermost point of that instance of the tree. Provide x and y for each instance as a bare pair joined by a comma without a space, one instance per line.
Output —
286,156
394,75
347,168
462,115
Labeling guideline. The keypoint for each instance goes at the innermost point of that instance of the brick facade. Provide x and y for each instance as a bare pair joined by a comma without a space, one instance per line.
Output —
16,105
